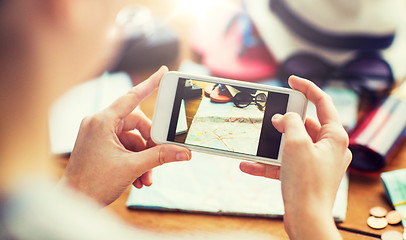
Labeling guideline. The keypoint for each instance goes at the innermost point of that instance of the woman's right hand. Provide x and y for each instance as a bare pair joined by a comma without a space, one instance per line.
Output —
314,160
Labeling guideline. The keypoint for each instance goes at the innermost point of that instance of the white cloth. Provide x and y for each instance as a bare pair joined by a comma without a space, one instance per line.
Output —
40,211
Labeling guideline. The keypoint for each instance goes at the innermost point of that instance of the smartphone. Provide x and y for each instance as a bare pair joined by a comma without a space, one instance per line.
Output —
223,116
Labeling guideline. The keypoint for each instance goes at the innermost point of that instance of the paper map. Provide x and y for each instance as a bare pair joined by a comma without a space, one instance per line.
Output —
226,127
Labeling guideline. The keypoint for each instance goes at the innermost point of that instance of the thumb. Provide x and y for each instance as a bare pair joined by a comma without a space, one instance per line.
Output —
291,124
159,155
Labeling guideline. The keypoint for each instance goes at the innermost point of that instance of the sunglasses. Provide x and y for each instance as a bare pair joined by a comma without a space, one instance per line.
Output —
244,99
367,73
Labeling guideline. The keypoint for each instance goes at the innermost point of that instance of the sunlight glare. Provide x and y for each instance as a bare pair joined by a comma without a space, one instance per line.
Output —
197,7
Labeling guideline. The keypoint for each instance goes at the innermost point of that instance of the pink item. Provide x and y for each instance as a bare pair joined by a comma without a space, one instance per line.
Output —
230,46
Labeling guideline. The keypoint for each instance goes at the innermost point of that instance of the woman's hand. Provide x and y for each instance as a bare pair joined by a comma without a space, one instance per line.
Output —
314,160
108,156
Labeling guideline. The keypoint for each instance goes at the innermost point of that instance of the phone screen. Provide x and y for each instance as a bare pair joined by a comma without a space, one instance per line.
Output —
225,117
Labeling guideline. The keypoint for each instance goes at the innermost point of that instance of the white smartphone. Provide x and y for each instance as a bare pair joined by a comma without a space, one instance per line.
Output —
222,116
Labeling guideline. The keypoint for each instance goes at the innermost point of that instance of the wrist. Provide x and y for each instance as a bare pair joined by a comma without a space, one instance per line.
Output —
310,222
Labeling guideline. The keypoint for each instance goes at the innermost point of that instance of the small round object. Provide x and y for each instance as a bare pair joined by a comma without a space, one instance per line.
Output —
377,223
378,211
392,235
393,217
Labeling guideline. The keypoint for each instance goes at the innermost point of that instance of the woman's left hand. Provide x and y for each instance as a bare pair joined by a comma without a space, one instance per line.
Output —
108,156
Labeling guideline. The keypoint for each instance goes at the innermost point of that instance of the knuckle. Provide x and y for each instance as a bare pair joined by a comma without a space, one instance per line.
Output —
324,97
328,97
85,122
342,138
93,121
96,120
291,118
296,142
134,95
161,154
345,139
291,115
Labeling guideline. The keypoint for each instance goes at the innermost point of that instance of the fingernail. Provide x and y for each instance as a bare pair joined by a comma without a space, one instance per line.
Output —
276,117
163,67
300,78
182,156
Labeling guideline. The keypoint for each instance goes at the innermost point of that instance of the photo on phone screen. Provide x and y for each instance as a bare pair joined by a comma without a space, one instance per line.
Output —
225,117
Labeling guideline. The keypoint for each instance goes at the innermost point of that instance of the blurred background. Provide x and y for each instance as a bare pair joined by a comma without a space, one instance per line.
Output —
355,50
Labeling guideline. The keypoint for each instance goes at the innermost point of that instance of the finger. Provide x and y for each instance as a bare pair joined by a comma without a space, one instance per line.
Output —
132,142
150,143
146,178
331,127
158,155
295,134
137,183
259,169
138,120
127,103
313,128
291,124
326,111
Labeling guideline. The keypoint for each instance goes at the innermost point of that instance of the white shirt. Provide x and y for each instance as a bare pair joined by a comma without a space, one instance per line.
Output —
42,210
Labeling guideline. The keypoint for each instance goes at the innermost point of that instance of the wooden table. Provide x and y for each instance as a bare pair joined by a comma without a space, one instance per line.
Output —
364,191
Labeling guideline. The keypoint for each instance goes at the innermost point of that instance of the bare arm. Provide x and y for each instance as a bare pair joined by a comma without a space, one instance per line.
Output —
314,160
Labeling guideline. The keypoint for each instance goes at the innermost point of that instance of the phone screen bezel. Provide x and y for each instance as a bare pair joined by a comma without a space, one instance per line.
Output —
166,98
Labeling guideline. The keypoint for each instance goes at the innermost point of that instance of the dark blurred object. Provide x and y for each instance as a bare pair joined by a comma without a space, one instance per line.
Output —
379,132
368,74
148,43
191,90
243,99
